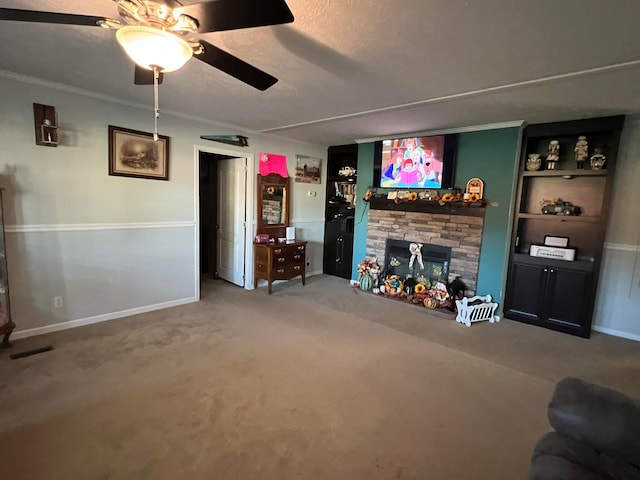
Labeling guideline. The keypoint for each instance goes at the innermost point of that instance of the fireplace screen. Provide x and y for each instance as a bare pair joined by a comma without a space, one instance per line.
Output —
413,259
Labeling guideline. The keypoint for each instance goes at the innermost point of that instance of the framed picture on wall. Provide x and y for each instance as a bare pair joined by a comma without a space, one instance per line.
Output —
308,169
136,154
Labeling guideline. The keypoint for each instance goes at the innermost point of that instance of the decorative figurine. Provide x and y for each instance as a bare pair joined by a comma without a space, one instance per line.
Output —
534,162
558,206
598,159
582,151
553,154
416,254
393,285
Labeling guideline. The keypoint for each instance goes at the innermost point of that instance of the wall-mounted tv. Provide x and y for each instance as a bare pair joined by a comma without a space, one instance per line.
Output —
415,162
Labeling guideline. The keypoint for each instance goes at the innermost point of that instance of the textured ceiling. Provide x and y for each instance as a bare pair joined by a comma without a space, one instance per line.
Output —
353,69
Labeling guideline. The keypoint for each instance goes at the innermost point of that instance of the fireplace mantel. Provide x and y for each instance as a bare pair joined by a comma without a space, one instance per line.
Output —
424,206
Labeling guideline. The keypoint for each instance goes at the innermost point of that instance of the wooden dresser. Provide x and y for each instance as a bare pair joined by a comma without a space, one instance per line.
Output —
279,261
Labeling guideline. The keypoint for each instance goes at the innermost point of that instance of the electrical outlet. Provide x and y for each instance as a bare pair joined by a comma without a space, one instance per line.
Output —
57,302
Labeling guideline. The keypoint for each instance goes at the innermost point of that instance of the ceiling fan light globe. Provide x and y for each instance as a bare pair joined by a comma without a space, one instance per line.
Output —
149,47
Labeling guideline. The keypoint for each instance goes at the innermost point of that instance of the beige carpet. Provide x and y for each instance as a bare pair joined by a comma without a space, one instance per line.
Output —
315,382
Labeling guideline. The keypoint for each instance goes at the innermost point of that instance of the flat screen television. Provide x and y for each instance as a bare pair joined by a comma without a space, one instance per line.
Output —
415,162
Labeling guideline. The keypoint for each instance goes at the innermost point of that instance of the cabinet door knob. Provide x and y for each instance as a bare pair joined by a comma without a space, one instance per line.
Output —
551,271
545,270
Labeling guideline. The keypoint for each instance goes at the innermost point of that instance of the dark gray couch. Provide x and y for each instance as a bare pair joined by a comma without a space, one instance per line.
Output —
597,435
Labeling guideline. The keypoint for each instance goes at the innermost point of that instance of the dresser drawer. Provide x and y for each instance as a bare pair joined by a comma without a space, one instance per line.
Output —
261,267
295,269
288,271
280,260
296,256
288,254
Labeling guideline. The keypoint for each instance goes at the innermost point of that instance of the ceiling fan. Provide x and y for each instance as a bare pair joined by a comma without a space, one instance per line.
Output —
159,35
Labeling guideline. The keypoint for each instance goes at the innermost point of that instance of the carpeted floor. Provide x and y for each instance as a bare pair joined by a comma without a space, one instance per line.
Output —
315,382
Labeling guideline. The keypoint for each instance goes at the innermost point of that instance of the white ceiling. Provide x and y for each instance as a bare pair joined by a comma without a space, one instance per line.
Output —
352,69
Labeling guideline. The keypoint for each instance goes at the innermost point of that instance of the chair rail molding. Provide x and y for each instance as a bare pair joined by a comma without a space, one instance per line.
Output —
75,227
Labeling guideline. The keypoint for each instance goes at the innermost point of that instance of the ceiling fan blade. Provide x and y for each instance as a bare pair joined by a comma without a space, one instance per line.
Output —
49,17
219,15
142,76
235,67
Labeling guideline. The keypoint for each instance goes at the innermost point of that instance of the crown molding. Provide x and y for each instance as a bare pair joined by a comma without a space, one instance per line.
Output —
468,94
445,131
61,87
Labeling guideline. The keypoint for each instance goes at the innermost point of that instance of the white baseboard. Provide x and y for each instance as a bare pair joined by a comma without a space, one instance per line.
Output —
56,327
264,283
616,333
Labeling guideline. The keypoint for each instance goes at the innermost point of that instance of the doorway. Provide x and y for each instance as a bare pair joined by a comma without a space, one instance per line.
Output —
222,189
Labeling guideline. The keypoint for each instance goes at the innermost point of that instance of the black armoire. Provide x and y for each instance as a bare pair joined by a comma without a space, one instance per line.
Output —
342,162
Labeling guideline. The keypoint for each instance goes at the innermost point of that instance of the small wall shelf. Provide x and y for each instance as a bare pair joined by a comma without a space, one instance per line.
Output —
45,122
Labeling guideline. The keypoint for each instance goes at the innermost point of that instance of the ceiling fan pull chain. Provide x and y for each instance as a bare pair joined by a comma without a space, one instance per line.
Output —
156,112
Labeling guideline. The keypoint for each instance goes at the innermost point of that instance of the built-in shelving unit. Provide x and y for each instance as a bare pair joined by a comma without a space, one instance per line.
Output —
340,209
554,293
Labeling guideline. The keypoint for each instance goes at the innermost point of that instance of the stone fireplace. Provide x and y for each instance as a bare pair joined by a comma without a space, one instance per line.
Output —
461,233
432,261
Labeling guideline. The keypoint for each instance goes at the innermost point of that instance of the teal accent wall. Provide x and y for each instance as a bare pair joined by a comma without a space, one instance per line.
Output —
490,155
361,220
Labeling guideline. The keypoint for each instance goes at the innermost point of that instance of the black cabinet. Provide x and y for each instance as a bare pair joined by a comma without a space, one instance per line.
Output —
525,293
550,295
553,293
338,251
342,161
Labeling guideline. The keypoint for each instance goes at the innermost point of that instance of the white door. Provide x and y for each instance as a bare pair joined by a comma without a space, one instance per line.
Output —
232,185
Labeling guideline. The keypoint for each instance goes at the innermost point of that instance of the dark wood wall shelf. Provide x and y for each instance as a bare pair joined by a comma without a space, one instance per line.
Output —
552,293
424,206
560,218
566,173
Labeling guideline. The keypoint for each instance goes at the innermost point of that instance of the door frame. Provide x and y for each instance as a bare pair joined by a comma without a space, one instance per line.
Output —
250,188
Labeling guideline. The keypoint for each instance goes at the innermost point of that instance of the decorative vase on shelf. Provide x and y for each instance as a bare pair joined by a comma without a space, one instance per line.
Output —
533,162
598,159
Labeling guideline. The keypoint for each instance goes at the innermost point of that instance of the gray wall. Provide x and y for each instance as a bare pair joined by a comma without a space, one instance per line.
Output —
618,301
110,245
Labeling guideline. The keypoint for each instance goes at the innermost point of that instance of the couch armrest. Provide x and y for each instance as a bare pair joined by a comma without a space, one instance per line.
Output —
605,419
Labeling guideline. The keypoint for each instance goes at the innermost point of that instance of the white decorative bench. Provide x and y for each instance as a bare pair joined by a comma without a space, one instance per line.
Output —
479,312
